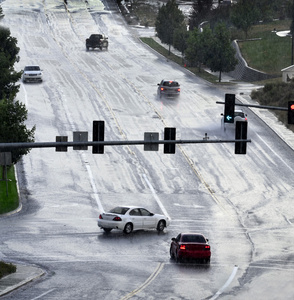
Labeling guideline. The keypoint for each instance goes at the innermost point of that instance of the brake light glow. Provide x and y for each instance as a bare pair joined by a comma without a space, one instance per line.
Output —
162,89
183,247
207,247
179,89
100,217
116,218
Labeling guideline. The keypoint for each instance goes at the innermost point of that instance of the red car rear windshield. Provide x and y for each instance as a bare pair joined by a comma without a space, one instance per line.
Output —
192,238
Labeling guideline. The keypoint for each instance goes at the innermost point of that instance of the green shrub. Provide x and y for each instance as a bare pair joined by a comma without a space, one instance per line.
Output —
6,269
276,94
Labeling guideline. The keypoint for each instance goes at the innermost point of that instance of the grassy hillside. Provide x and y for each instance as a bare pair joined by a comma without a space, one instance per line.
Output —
266,51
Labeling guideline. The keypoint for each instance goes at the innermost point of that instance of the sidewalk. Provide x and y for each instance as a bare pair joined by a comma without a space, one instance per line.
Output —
22,276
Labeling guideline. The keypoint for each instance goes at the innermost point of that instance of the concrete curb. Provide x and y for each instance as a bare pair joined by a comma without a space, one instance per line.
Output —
23,275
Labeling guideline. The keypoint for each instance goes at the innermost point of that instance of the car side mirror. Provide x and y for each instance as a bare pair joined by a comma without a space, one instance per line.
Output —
221,114
207,240
173,239
158,83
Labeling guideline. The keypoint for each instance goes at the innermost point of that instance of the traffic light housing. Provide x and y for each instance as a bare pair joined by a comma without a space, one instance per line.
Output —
241,134
290,112
229,108
98,135
169,134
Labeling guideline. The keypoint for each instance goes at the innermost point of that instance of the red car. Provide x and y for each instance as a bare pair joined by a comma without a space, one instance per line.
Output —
190,246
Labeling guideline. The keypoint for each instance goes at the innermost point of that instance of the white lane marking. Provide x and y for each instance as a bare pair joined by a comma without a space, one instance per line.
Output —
94,188
280,158
44,294
156,197
25,95
146,283
220,291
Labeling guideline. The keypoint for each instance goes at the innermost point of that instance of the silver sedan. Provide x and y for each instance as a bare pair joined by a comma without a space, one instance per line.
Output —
130,218
32,73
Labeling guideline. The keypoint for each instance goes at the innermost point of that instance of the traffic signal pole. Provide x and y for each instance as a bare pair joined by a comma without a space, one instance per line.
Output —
257,106
10,146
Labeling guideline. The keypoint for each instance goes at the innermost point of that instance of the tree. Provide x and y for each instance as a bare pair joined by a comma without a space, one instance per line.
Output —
13,115
244,15
220,56
1,13
198,45
180,39
200,10
169,18
8,57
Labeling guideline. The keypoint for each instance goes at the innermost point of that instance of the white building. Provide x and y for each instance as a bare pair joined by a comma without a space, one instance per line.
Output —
288,73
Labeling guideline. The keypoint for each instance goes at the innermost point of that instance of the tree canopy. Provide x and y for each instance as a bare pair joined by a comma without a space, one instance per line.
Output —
199,43
13,114
8,57
244,15
200,10
169,18
221,55
180,39
1,13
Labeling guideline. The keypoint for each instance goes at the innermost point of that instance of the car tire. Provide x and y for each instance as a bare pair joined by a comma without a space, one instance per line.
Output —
128,228
161,225
178,260
172,256
107,229
207,260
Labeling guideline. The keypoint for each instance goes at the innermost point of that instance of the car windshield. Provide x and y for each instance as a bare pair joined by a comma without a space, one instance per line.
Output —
96,36
239,114
119,210
32,68
170,83
193,238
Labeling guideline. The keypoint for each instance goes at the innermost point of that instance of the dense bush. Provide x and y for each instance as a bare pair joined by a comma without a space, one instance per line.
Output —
6,269
276,94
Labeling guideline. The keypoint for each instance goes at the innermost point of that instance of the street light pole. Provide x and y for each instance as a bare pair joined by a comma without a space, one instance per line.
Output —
292,49
292,32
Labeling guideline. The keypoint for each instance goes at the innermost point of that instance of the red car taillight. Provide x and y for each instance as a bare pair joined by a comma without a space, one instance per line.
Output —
100,217
162,89
116,219
183,247
207,247
179,89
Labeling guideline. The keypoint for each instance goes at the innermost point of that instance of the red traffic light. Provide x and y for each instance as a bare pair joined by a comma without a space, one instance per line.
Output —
290,112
